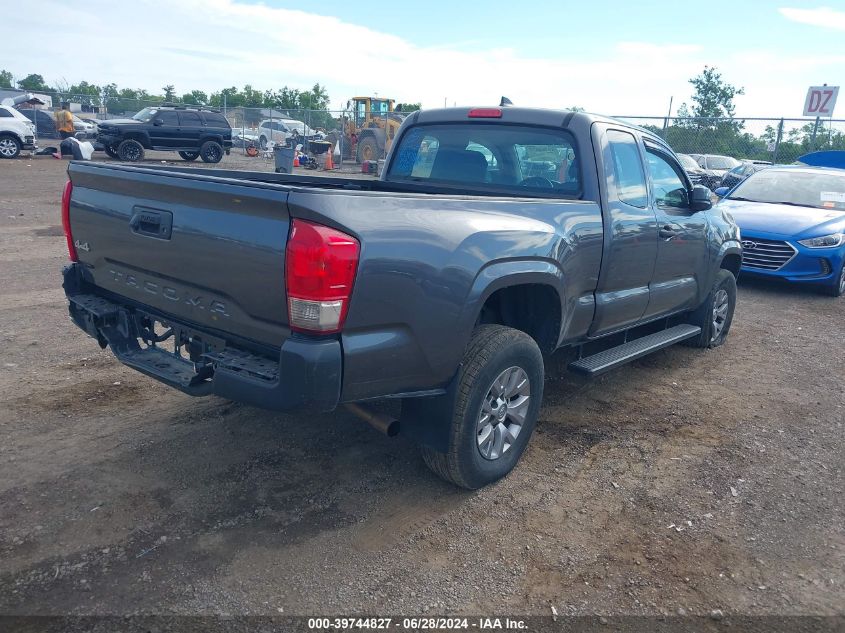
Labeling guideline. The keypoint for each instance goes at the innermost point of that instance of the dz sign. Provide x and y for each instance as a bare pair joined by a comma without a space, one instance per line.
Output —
820,101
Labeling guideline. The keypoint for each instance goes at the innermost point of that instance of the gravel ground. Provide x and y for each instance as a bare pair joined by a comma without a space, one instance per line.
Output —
684,483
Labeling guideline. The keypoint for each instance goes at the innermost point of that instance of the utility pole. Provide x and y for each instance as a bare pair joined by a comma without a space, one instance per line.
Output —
669,115
777,142
815,131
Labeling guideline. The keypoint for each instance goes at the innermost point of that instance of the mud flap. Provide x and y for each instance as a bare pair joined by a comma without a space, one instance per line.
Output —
428,421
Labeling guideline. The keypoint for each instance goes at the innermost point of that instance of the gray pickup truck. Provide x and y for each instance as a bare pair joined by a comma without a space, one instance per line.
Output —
494,236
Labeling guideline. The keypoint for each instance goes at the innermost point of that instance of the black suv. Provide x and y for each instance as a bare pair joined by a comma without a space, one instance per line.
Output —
193,131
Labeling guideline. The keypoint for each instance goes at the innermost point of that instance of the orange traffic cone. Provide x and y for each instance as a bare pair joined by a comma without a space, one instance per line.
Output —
296,161
329,161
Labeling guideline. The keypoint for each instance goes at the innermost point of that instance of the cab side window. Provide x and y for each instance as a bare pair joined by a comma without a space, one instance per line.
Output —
627,169
168,117
190,119
670,188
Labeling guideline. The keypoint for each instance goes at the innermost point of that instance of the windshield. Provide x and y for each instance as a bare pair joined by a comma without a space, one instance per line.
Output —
687,162
807,189
721,162
501,156
146,114
299,126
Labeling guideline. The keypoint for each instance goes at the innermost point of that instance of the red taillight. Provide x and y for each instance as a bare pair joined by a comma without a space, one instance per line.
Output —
320,267
485,113
71,249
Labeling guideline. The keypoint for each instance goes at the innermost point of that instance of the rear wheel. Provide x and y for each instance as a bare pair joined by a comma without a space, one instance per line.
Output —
189,155
211,152
262,142
130,150
715,315
837,288
498,396
10,147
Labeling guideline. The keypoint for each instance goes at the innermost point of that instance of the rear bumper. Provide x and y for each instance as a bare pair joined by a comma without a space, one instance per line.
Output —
307,374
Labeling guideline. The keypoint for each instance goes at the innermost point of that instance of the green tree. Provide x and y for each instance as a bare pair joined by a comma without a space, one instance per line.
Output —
251,98
33,82
713,97
408,107
85,93
195,97
5,79
287,99
169,92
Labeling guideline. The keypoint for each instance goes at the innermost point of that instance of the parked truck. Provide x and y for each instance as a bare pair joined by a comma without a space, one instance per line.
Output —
494,236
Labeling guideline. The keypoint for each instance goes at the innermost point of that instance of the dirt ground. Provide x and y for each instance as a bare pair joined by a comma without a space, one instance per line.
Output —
685,483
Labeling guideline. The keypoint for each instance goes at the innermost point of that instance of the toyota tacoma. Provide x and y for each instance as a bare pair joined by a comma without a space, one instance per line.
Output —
494,237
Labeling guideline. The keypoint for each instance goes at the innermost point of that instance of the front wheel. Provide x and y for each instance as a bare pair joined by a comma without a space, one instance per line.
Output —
211,152
111,152
131,151
497,401
368,149
715,315
10,147
189,156
837,288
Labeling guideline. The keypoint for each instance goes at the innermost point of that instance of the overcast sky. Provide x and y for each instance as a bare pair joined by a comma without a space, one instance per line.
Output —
624,58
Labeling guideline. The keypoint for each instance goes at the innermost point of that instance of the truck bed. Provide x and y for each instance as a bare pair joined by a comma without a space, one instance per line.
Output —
219,266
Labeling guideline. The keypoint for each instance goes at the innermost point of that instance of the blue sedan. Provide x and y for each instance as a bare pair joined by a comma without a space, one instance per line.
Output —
792,221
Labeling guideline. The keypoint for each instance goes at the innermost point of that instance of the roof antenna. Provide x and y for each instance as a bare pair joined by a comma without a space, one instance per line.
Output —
505,102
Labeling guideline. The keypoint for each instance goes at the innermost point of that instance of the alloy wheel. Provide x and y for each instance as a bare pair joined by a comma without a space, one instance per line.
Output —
721,304
503,413
8,147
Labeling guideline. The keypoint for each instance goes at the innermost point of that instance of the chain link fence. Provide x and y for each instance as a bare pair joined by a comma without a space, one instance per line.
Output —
363,134
773,140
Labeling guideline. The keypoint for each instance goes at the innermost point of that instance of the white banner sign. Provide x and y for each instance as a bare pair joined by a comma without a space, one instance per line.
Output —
820,101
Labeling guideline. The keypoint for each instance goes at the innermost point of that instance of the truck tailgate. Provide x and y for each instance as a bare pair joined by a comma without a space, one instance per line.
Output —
206,250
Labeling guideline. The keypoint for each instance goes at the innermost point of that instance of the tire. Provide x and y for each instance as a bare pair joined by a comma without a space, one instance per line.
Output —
474,458
262,142
837,288
131,151
189,156
211,152
10,146
368,149
111,152
715,326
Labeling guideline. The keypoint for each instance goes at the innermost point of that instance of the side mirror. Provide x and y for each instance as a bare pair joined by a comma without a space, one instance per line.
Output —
700,198
158,122
722,191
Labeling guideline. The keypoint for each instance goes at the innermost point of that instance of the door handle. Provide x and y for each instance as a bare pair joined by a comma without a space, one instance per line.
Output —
667,232
152,223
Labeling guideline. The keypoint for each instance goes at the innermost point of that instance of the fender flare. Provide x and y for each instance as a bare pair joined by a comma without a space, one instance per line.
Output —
211,137
729,247
504,274
428,421
142,137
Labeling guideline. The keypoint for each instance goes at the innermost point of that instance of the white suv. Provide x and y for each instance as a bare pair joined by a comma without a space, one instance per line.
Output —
273,130
280,130
16,132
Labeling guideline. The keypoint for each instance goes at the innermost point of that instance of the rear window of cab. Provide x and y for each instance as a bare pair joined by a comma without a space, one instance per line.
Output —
514,158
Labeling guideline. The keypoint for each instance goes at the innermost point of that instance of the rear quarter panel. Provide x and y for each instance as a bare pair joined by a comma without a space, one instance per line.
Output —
428,263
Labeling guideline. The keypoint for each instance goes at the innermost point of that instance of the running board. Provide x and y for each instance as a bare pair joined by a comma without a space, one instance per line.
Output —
632,350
